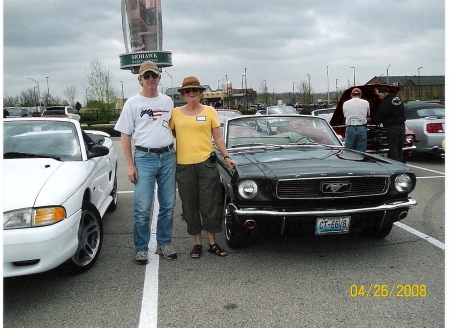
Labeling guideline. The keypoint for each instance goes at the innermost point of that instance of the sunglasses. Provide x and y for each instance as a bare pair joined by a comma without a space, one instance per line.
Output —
189,90
147,75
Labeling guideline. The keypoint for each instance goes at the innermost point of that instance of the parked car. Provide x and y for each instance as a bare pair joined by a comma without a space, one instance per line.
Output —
326,113
301,177
278,109
19,112
61,111
58,182
376,135
225,114
427,121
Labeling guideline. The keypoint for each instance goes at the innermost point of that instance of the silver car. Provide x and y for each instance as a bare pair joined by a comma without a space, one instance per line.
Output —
427,121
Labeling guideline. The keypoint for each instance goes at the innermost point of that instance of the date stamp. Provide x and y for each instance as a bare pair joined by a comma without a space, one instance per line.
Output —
387,291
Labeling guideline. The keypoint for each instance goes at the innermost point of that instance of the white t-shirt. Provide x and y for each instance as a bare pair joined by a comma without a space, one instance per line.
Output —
355,111
147,120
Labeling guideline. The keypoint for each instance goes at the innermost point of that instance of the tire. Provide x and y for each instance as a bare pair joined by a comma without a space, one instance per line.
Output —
90,239
236,235
112,207
378,233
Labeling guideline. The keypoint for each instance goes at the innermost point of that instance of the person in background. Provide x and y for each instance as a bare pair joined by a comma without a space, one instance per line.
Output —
197,175
391,113
145,119
356,111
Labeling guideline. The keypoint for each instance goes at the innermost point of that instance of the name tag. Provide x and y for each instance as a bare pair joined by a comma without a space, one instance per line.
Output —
201,118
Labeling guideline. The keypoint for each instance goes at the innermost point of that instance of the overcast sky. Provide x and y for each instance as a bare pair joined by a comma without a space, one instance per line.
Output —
277,41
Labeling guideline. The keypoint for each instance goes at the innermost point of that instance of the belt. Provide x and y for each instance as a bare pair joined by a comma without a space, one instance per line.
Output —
356,125
155,150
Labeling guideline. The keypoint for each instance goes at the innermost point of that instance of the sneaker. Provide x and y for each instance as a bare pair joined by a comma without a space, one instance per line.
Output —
158,250
141,257
167,251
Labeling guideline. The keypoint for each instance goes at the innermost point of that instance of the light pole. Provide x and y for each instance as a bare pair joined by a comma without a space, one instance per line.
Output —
387,74
293,94
245,84
309,88
48,93
38,93
337,96
354,73
87,100
123,98
418,73
265,89
328,89
171,84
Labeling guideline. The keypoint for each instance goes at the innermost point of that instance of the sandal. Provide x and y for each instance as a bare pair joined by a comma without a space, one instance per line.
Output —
196,251
215,249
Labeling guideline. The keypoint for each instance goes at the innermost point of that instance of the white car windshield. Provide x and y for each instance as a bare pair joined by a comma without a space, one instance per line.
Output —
27,139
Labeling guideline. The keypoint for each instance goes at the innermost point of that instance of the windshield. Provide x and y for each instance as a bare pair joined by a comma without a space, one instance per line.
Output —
40,139
254,130
16,112
426,112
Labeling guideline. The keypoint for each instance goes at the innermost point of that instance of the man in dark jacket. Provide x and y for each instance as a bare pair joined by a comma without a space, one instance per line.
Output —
391,113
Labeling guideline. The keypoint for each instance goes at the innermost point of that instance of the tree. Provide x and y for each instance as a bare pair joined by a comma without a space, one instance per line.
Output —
9,101
101,91
71,93
29,98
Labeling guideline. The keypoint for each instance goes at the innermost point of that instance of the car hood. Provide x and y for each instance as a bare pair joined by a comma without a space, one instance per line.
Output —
368,93
34,182
301,162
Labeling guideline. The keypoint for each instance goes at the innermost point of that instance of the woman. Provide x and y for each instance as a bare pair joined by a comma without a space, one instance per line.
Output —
197,173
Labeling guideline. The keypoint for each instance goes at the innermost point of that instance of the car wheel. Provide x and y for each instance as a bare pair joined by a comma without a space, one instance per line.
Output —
90,239
112,207
236,235
378,232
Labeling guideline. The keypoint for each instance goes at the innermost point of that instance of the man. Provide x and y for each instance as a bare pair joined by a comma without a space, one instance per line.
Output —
356,111
145,119
391,113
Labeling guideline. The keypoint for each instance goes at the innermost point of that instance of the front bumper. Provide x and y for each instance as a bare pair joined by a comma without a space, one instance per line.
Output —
389,206
33,250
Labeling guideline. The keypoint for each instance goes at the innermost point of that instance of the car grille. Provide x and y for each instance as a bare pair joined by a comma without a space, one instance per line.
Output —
339,187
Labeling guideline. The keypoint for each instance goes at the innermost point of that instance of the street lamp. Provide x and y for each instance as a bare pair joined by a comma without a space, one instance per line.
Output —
354,70
265,89
293,94
245,93
387,75
123,98
171,84
337,95
418,73
328,89
87,100
38,93
48,93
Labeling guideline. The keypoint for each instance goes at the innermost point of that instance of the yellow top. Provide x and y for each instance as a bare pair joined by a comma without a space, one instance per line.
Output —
194,134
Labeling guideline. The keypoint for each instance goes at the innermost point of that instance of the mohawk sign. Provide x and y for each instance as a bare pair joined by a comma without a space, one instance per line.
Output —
142,34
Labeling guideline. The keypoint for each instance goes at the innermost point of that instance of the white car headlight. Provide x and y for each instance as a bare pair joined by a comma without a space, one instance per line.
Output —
248,189
29,217
402,183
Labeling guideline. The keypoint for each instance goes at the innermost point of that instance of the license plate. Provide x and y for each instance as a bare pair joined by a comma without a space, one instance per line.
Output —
332,225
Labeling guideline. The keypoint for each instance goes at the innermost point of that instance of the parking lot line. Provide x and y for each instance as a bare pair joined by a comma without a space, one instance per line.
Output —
149,307
429,239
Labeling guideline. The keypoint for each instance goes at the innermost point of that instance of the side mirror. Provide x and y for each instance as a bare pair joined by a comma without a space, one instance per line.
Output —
97,151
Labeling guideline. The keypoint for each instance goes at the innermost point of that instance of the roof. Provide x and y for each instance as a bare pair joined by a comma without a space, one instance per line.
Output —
404,80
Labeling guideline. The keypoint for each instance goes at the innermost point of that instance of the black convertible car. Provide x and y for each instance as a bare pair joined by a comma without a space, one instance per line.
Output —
294,173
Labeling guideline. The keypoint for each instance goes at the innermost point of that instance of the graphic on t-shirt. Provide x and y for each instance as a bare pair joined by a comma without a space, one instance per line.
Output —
153,114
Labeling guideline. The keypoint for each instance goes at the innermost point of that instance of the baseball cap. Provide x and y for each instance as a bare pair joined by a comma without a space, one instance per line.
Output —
148,66
356,91
383,89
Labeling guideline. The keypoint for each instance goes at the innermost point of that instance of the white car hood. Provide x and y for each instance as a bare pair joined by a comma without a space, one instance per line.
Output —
39,182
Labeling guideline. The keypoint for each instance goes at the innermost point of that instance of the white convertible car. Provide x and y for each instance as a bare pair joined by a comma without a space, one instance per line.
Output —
58,182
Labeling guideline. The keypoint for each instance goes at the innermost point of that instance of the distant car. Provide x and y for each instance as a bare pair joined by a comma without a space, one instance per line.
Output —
300,177
376,135
283,109
326,113
427,121
58,183
225,114
19,112
61,111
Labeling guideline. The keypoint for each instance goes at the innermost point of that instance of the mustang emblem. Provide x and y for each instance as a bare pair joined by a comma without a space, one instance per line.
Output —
336,187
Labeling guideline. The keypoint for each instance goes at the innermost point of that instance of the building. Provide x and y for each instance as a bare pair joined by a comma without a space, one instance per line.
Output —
415,87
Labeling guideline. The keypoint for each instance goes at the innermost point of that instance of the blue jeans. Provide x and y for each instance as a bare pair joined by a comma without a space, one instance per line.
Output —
356,138
151,168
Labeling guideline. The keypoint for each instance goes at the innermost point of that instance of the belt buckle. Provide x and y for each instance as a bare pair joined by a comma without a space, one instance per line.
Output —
160,151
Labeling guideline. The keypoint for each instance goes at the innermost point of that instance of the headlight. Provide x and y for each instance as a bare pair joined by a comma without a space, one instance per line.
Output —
402,183
248,189
29,217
